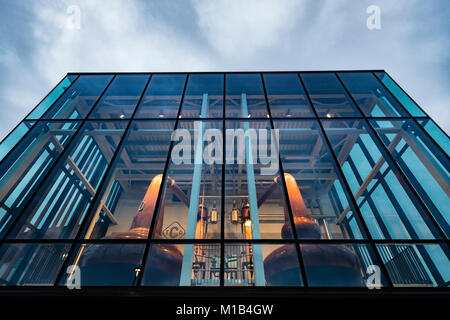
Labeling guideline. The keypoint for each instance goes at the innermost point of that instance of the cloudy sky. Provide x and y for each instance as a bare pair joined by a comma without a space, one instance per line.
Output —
39,42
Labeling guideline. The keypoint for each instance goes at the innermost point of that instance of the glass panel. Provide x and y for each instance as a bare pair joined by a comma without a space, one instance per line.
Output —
255,206
110,264
373,99
192,201
24,169
121,98
162,97
51,97
320,206
286,95
340,265
389,209
126,209
59,207
203,90
14,137
32,264
78,100
401,96
328,96
425,166
248,85
168,265
416,265
276,266
439,136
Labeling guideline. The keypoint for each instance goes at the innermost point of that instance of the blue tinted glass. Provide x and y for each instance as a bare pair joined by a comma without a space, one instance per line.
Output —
23,170
439,136
51,98
328,96
389,209
401,96
423,164
121,98
204,96
373,99
416,265
162,97
245,96
286,95
78,100
60,205
11,140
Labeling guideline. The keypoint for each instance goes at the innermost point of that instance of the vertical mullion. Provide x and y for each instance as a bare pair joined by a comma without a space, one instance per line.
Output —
160,193
286,195
409,189
352,202
222,213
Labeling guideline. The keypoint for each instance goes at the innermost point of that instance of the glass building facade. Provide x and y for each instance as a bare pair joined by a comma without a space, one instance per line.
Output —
90,184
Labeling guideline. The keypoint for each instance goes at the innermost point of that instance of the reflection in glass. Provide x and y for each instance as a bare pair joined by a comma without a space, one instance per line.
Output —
110,264
248,88
167,265
328,96
201,89
121,98
425,166
316,192
373,99
23,170
338,265
52,97
389,209
59,207
416,265
31,264
286,95
14,137
401,96
78,100
126,208
191,202
439,136
162,97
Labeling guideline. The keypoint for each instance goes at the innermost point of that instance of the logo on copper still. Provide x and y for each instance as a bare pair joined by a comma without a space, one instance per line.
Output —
174,231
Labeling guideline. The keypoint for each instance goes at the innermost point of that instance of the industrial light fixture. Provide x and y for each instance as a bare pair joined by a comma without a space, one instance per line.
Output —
214,216
161,114
234,214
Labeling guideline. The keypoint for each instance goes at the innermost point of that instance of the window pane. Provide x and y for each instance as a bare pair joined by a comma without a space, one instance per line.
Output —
31,264
111,264
24,169
339,265
401,96
320,206
261,265
203,97
245,96
162,97
255,206
389,209
286,95
425,166
76,102
373,99
51,98
58,209
192,199
14,137
328,96
121,98
126,208
183,265
416,265
439,136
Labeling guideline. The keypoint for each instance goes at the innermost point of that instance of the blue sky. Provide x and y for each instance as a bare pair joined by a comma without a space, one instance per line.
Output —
37,48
